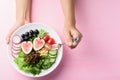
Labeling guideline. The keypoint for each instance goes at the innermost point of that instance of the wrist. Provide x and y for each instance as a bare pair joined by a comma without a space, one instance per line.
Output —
69,23
23,16
23,19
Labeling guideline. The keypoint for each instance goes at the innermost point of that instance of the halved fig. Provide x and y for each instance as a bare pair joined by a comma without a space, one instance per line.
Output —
26,47
38,44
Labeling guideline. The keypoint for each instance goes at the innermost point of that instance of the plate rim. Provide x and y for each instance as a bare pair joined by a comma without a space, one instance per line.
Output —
22,72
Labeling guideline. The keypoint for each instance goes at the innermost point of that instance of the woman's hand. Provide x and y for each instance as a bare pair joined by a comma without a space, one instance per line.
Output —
72,34
22,16
16,26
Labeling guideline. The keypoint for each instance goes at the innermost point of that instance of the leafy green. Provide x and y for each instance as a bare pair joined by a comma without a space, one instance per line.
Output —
34,69
44,63
42,33
20,60
32,38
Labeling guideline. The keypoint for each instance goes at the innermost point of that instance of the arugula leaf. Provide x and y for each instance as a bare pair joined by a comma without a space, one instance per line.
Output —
42,33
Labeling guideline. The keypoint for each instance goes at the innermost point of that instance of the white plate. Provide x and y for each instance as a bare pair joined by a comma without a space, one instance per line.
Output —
52,33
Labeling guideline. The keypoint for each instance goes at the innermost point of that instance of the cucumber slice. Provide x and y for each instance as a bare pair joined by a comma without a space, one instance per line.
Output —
52,60
47,61
53,52
52,56
47,64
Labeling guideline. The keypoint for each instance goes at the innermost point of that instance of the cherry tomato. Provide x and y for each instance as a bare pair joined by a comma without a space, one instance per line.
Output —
46,38
51,41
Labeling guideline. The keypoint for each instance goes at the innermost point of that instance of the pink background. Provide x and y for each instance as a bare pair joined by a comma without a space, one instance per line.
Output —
98,55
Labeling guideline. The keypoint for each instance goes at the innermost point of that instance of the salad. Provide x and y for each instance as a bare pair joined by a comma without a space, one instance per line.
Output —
34,51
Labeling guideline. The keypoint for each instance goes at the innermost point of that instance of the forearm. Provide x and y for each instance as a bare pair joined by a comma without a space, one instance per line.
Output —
69,11
23,10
